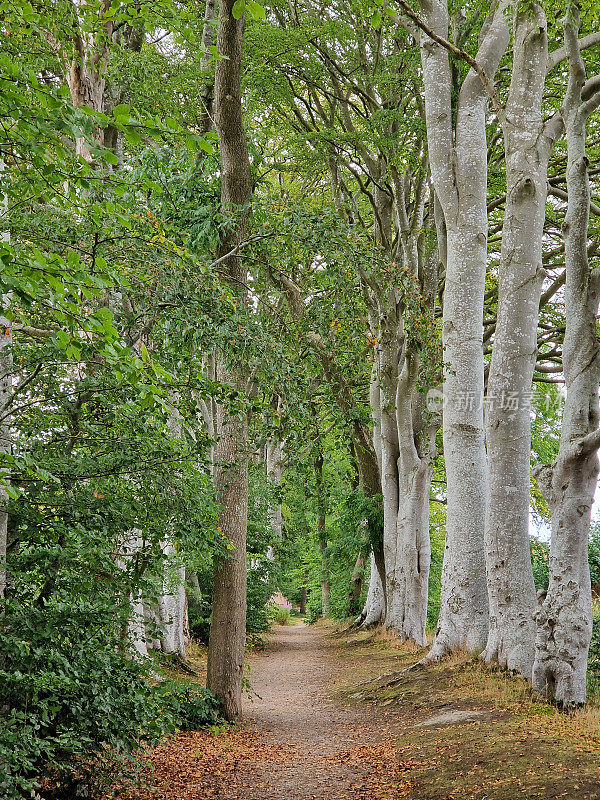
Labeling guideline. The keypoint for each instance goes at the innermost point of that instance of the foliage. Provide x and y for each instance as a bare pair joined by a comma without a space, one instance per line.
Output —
282,616
192,707
593,676
71,691
540,555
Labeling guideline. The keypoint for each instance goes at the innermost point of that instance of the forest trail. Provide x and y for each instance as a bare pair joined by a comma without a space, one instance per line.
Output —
331,750
318,727
297,741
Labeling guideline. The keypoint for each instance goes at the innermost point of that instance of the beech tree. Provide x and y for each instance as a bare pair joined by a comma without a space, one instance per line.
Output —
563,619
458,156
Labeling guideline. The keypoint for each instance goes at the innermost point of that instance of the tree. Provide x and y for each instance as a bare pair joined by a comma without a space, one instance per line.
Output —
228,623
563,619
459,170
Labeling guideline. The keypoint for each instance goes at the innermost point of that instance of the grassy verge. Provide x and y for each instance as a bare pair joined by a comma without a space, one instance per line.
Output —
465,731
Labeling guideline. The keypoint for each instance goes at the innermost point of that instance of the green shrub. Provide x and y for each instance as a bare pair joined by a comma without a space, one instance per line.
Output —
72,698
282,616
540,562
191,706
593,673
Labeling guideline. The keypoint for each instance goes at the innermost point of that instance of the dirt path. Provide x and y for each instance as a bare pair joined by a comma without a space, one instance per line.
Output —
326,744
316,731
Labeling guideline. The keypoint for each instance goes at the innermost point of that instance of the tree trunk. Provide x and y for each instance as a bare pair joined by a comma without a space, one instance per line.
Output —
6,373
374,610
356,584
172,605
325,584
274,467
459,170
414,546
321,533
508,419
303,599
228,622
208,35
564,618
86,74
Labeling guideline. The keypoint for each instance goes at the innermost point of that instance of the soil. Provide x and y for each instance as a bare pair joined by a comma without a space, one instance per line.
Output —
323,724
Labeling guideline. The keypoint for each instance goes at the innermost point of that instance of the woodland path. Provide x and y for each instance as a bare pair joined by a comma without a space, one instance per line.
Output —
330,746
298,740
315,731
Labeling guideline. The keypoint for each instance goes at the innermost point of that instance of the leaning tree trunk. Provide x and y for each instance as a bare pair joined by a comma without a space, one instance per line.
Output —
6,372
564,618
228,622
459,171
511,588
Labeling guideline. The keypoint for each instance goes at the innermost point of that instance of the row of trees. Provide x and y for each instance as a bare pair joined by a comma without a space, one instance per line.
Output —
289,291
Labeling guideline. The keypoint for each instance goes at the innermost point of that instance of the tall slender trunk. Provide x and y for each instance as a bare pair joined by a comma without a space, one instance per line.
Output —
228,622
274,468
564,617
322,533
208,35
6,371
528,145
458,161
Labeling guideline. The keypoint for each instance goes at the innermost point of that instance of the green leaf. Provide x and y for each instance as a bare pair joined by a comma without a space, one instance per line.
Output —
238,9
121,113
376,20
110,157
256,10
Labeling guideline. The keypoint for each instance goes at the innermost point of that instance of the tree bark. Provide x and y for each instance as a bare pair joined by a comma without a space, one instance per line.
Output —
322,533
374,610
459,170
6,373
86,74
564,617
172,604
356,584
528,145
228,622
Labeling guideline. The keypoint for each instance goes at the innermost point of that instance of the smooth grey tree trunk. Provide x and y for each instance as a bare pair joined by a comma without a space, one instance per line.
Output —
374,610
172,607
459,169
564,617
528,144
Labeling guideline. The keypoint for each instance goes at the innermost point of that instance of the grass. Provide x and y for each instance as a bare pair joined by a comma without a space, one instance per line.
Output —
518,746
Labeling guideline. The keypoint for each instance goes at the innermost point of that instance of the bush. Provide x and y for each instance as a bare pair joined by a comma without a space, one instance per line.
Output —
282,616
72,698
191,706
540,562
